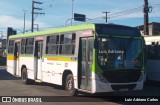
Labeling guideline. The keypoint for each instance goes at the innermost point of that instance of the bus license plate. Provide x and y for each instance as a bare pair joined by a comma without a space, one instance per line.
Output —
122,90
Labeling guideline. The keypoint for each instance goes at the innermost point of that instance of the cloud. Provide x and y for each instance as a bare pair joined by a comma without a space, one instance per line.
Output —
16,23
9,21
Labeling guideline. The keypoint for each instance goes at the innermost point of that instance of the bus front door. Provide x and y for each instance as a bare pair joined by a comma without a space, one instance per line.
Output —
85,63
16,59
38,60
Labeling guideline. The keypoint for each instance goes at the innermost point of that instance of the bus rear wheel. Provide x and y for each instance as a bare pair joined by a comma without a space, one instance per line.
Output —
69,86
24,76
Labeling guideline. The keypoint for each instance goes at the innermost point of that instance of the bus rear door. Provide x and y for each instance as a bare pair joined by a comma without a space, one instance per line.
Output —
16,58
38,60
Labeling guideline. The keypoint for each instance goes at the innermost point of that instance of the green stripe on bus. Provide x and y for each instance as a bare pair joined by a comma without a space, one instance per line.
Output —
95,67
56,31
119,36
29,56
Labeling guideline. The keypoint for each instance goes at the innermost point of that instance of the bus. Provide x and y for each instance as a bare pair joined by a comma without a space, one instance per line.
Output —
153,57
91,58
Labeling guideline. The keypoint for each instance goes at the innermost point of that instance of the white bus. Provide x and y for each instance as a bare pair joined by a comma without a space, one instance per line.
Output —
153,57
90,58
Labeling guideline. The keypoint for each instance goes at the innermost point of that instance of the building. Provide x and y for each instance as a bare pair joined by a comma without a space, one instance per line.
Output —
3,44
154,28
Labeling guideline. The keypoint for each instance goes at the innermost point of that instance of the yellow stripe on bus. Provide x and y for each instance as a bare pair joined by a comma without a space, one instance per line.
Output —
61,59
9,57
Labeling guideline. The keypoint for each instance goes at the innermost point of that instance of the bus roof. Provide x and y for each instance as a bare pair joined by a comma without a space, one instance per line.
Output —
55,31
111,29
146,36
151,37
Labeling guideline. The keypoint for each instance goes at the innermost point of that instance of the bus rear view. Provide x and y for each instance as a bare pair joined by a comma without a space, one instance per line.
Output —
119,60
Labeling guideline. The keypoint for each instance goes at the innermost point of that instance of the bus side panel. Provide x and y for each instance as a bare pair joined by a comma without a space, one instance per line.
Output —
52,71
153,70
10,66
46,73
74,67
56,72
29,63
20,65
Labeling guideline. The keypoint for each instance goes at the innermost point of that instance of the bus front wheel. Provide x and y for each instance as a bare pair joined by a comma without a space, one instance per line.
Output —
69,86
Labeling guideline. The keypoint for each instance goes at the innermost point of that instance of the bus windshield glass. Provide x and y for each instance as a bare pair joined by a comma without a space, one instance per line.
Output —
119,53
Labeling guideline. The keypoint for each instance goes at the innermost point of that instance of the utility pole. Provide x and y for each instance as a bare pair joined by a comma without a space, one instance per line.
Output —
33,12
37,26
1,32
146,10
24,21
72,12
106,15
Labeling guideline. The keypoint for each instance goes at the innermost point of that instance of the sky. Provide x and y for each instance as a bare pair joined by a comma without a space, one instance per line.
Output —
57,12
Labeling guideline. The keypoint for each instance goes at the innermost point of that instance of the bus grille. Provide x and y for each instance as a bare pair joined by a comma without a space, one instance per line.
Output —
122,76
118,87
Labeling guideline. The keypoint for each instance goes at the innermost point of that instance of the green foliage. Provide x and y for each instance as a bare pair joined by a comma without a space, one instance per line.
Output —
2,61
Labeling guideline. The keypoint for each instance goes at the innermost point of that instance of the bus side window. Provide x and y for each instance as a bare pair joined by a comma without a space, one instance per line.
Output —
29,45
52,44
67,44
61,43
73,42
73,37
157,50
23,43
11,47
153,50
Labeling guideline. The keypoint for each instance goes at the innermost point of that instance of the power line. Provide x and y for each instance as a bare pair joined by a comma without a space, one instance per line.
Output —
129,11
117,14
125,12
50,4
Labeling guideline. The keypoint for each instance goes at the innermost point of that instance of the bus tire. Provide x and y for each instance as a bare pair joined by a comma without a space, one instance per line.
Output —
69,86
24,76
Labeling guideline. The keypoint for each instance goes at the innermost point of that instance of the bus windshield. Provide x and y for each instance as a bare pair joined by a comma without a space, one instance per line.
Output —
119,53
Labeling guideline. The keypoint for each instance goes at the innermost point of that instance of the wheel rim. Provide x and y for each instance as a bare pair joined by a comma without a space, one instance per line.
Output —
70,85
24,76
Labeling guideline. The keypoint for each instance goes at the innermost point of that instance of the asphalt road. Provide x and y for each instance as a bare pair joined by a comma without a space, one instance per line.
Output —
13,86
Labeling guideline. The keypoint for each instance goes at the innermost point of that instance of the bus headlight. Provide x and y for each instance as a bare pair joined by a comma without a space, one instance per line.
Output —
102,78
